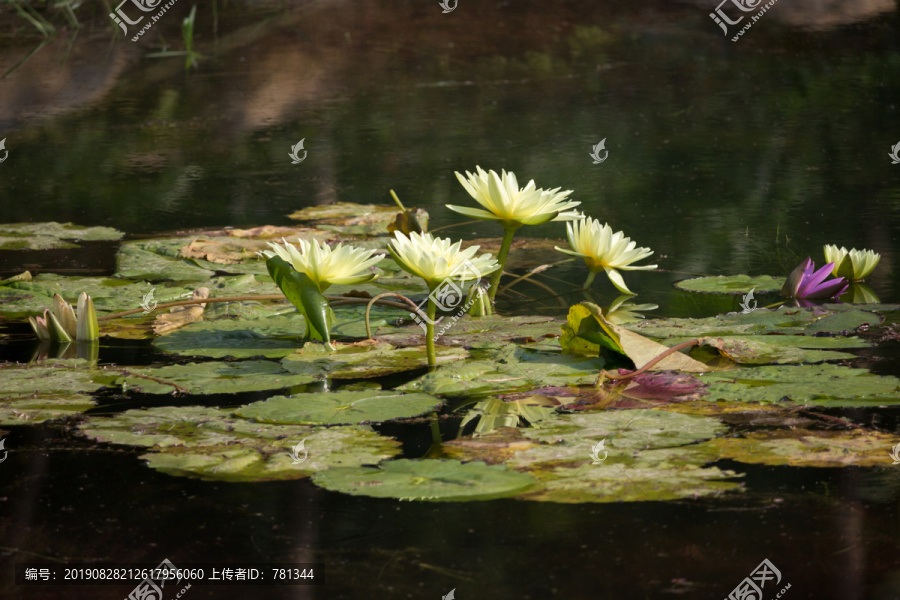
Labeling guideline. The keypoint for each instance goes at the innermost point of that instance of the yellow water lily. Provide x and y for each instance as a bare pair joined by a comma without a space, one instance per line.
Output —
512,206
852,264
604,250
326,265
439,262
437,259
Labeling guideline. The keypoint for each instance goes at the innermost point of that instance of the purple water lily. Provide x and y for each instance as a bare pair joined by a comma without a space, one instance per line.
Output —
806,282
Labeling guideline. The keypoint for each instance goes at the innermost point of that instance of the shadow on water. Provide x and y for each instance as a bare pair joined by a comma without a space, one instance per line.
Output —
724,157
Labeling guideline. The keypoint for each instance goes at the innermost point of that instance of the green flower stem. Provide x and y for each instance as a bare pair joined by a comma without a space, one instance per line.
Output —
589,280
501,258
429,333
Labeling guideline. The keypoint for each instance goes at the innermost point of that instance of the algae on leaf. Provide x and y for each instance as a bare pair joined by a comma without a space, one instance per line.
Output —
46,236
435,480
339,408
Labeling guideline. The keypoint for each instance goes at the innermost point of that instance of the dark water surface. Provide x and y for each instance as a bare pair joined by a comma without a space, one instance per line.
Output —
724,157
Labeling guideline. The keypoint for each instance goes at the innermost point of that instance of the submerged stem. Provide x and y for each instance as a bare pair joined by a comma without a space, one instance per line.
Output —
429,333
501,258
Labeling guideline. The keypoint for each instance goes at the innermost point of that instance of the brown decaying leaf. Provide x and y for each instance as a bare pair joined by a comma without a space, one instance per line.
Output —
179,316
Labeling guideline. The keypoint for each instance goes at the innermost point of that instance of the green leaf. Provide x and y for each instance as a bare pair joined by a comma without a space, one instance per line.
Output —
760,350
822,385
305,295
364,359
211,443
338,408
158,260
46,236
38,392
215,377
437,480
732,284
272,337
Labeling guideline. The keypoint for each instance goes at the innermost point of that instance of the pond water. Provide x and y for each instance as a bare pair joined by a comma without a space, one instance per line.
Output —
723,157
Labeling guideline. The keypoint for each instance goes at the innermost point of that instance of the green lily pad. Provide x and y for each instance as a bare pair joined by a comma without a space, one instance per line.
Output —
272,337
158,260
339,408
214,377
510,368
759,350
212,444
23,298
809,448
486,332
822,385
436,480
732,284
46,236
790,321
611,456
361,360
39,392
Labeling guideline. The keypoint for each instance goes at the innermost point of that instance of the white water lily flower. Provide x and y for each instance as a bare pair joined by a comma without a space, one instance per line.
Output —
507,203
326,265
436,259
851,264
604,250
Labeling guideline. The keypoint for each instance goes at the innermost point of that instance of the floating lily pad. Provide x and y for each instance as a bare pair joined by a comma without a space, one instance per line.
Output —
338,408
272,337
485,332
437,480
791,321
640,455
22,298
510,368
732,284
158,260
809,448
364,359
38,392
46,236
823,385
347,214
214,377
759,350
211,443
